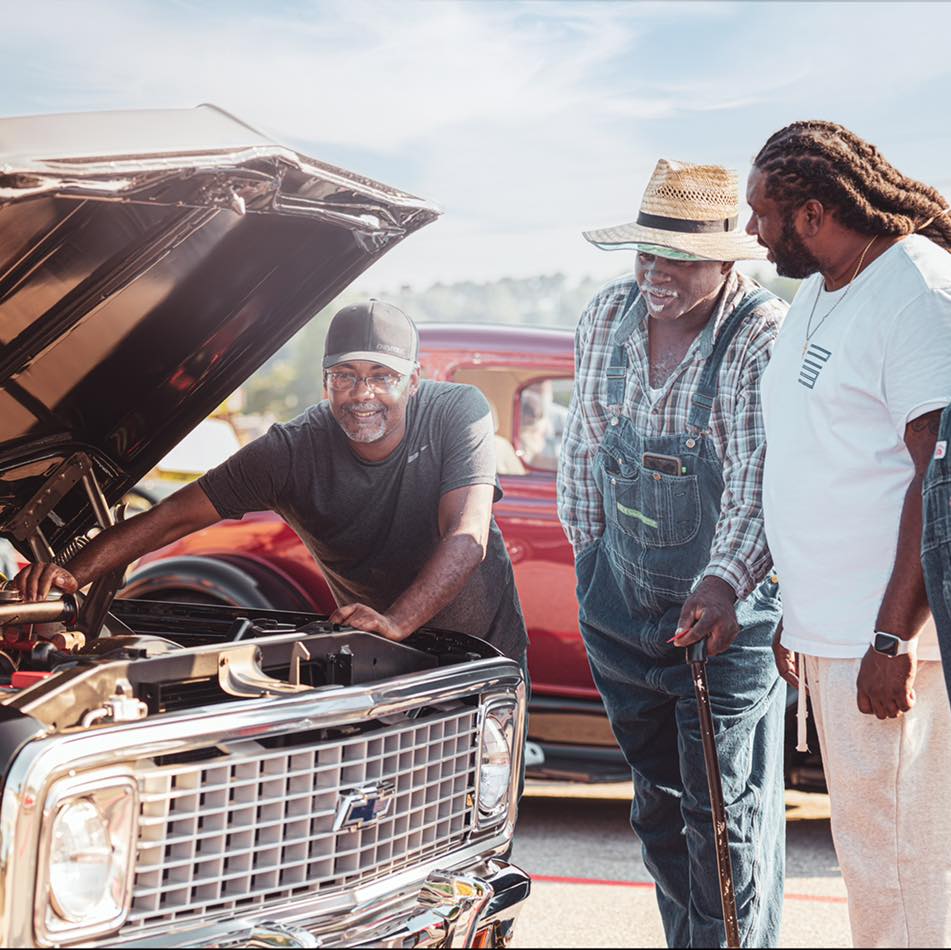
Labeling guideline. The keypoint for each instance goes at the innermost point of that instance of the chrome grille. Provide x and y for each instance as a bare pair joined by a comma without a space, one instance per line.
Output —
253,827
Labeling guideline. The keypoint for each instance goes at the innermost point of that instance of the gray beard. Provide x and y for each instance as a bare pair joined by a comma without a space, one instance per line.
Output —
363,433
366,434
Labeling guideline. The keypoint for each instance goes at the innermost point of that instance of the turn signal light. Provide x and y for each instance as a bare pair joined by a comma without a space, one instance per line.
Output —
483,937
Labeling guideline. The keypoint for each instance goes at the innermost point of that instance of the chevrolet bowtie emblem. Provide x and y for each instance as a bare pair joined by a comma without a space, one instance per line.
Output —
367,805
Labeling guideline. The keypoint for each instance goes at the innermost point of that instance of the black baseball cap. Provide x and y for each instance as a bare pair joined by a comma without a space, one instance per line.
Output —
373,331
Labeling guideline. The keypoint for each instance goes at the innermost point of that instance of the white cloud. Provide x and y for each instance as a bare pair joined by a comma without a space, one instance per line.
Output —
489,105
527,122
380,75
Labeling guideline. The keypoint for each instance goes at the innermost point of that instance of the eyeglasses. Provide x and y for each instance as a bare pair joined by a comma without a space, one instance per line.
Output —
377,382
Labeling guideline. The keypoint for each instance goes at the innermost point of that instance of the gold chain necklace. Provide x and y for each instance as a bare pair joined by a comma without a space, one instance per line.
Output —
810,333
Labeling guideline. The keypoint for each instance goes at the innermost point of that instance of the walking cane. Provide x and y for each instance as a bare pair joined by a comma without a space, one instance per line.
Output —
697,658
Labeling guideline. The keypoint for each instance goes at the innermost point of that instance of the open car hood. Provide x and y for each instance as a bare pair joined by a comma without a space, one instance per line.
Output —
149,263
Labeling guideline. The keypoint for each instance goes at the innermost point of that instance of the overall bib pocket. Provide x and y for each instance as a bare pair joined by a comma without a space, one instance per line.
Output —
655,536
657,510
659,527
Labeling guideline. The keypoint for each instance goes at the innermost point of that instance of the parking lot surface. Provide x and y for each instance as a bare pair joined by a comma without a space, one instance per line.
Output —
591,888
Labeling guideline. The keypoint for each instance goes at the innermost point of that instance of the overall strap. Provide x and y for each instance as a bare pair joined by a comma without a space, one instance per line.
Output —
616,372
702,403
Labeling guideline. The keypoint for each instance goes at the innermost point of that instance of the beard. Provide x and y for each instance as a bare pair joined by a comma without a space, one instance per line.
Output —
792,257
363,430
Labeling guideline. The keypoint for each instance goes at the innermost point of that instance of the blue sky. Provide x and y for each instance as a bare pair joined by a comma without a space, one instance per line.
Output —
526,122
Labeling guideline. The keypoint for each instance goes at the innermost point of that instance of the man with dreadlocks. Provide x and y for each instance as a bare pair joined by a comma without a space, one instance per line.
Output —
851,399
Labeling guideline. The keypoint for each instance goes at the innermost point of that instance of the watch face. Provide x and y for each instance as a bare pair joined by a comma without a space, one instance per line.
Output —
887,644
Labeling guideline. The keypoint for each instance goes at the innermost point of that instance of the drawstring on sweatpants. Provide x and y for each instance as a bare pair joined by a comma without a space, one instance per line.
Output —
802,741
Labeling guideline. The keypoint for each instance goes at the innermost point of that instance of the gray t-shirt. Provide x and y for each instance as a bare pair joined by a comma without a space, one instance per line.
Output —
372,526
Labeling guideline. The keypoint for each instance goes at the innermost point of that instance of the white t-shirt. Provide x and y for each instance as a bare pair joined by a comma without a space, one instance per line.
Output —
837,468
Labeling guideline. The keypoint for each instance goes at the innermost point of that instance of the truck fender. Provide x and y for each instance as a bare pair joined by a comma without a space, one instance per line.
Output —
211,579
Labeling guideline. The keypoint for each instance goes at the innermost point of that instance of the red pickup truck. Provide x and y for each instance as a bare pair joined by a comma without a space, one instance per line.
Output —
526,373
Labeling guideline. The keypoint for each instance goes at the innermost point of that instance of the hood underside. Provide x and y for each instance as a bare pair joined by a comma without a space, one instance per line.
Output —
149,263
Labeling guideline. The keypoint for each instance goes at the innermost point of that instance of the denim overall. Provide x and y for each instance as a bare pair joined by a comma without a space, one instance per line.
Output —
632,583
936,541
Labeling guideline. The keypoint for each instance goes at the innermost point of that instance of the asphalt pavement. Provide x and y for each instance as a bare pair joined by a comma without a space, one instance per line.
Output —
591,888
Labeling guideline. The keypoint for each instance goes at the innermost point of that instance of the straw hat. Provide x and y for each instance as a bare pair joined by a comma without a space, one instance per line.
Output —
692,209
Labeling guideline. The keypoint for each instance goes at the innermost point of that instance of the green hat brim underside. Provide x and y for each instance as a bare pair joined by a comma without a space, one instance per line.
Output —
658,250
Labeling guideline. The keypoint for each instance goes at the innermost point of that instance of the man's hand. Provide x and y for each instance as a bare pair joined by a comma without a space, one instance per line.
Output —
886,684
710,613
366,618
189,509
786,664
35,581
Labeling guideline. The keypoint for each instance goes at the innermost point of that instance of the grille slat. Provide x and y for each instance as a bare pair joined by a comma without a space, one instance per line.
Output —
249,826
285,842
233,785
200,858
200,836
267,868
241,806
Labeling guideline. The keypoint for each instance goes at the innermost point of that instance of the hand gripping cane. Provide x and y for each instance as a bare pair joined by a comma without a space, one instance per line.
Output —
697,658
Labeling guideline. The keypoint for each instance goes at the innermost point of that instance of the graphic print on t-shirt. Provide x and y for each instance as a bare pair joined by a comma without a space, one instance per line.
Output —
836,465
812,363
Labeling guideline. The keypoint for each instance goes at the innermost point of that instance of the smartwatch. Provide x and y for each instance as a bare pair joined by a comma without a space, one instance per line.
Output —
889,645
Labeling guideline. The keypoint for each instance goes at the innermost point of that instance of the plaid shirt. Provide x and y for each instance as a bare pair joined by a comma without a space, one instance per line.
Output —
739,554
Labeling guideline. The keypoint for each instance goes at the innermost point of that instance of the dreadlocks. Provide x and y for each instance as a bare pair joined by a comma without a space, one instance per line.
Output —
825,161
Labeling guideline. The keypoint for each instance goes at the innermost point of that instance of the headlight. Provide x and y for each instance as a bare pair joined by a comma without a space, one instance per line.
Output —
88,847
495,761
81,860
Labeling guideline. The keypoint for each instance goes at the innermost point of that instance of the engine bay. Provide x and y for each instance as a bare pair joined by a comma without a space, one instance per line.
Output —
76,660
154,657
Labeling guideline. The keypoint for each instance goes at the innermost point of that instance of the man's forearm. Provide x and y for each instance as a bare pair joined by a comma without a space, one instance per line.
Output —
439,582
904,607
718,585
115,548
187,510
578,496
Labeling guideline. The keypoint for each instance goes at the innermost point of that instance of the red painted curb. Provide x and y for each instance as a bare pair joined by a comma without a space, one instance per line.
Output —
589,880
819,898
549,879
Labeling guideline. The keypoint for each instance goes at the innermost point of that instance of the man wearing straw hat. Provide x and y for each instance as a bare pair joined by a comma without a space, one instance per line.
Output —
659,493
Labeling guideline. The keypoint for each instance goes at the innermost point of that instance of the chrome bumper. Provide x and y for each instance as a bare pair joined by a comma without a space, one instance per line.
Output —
452,909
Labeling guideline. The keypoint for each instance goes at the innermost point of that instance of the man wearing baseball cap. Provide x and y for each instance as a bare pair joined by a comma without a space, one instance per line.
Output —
389,483
659,491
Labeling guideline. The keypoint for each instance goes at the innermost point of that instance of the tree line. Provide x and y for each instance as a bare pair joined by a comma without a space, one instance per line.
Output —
292,379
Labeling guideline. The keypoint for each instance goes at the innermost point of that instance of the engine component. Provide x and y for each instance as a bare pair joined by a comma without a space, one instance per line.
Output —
240,673
57,608
24,678
67,641
44,656
122,706
132,646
